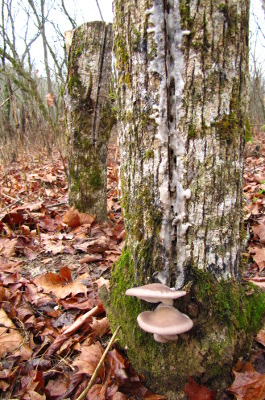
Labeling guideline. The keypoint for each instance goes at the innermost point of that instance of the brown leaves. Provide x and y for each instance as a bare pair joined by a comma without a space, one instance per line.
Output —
248,384
258,256
261,337
61,285
51,316
88,360
198,392
73,218
11,341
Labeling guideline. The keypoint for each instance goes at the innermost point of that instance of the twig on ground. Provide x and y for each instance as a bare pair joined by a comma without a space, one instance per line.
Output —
57,204
93,377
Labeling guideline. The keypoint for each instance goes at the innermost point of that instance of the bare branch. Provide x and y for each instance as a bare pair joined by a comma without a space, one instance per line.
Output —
101,16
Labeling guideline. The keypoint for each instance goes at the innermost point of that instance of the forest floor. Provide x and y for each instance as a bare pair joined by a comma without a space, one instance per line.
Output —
53,260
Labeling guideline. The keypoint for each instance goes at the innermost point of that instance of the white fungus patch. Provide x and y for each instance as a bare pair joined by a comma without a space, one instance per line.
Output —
173,196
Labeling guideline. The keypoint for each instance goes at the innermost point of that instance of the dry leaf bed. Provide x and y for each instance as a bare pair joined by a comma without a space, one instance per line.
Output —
53,328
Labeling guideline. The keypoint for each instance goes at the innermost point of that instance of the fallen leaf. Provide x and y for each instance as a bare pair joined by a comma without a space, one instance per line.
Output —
86,218
32,395
261,337
99,245
259,230
88,360
4,385
100,326
259,178
54,247
59,286
259,256
72,218
9,248
248,386
56,388
97,392
119,396
79,303
11,341
91,258
198,392
102,281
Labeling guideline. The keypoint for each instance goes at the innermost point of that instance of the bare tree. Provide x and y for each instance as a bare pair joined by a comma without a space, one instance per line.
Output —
20,79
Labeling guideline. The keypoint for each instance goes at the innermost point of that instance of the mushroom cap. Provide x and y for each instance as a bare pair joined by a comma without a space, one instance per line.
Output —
165,320
155,292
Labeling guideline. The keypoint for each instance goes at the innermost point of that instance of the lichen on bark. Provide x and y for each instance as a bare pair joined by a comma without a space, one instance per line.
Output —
89,116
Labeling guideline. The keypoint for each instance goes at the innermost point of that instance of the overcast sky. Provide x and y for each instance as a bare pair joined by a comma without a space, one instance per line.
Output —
87,10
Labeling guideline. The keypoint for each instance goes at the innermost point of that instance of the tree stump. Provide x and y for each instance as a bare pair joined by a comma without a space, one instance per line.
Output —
89,116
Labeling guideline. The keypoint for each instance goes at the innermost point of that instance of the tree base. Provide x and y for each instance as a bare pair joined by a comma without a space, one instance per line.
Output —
226,315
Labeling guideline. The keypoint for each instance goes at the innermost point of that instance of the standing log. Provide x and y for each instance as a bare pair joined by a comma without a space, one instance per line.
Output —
89,116
182,75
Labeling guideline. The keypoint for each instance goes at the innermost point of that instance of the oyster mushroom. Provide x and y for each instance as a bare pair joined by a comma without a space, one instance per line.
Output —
155,293
166,323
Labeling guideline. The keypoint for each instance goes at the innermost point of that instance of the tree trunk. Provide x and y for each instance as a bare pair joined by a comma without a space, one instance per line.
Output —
89,116
182,74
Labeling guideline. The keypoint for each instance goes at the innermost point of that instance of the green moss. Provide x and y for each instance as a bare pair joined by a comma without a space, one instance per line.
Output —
122,58
229,301
136,40
152,53
143,215
186,20
149,154
74,83
94,178
224,9
228,315
248,131
227,128
191,132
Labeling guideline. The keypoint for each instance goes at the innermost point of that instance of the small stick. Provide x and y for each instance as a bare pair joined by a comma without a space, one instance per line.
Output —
4,102
93,377
57,204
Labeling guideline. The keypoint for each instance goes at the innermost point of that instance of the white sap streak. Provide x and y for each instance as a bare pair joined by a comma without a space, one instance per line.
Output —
170,136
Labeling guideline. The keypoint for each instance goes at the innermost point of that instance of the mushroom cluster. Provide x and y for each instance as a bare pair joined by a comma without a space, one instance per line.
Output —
165,322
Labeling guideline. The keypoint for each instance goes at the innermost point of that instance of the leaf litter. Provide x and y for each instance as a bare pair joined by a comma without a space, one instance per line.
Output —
53,260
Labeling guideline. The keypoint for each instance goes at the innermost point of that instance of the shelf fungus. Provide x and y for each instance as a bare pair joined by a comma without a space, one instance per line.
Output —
155,293
165,322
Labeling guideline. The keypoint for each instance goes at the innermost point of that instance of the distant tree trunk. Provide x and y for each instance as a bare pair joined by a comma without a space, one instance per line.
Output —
182,75
89,116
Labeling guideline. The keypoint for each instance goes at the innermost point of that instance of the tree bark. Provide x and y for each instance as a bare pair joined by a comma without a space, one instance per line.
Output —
182,76
89,116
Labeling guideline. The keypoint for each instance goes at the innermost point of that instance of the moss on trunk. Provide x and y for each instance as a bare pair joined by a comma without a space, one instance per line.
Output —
226,315
90,116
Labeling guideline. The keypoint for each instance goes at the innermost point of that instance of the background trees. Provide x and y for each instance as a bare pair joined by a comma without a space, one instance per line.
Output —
33,70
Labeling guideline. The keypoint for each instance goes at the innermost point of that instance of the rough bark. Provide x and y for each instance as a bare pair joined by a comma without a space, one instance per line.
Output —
182,72
89,116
